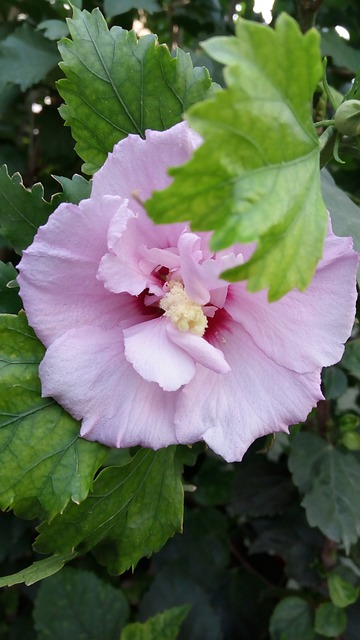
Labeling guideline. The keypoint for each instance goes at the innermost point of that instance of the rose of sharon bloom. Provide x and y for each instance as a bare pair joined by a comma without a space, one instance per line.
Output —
147,344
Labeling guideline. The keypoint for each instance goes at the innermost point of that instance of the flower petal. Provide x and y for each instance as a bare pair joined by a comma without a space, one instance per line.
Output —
58,283
256,398
86,371
157,358
199,349
304,330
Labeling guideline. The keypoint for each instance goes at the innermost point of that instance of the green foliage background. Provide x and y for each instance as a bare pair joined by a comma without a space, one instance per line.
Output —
270,547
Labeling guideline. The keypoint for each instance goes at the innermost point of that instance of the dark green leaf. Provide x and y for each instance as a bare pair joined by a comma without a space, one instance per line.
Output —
37,571
292,620
131,512
9,298
343,55
43,462
214,482
330,621
116,85
53,29
164,625
77,604
351,358
256,176
342,593
22,210
330,479
335,382
26,57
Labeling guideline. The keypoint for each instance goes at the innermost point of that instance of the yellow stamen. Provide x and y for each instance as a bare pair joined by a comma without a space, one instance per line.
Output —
183,312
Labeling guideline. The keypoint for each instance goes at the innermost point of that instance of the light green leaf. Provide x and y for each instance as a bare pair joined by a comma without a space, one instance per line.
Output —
342,593
53,29
116,7
77,604
43,462
75,189
116,85
164,625
330,621
330,480
22,210
26,57
38,570
132,511
256,177
292,620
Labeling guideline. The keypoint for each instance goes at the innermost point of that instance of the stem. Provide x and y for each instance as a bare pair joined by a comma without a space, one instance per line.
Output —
307,10
327,143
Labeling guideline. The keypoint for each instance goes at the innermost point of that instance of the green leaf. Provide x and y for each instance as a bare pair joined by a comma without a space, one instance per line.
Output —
292,620
10,301
38,570
164,625
116,85
22,210
330,479
343,55
131,512
43,462
116,7
342,593
77,604
345,214
26,57
256,177
330,621
53,29
351,358
75,189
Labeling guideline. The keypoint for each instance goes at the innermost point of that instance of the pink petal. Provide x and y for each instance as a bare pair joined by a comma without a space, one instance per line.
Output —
199,349
304,331
86,371
157,358
256,398
57,278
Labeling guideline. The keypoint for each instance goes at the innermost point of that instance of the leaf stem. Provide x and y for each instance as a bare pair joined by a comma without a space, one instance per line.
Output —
327,143
307,10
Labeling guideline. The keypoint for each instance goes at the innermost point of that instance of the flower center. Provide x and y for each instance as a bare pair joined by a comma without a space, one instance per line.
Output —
183,312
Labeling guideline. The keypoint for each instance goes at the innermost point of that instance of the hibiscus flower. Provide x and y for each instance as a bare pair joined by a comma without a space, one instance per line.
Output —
146,344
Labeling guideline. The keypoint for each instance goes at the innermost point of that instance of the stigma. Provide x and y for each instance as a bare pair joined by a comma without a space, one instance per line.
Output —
186,314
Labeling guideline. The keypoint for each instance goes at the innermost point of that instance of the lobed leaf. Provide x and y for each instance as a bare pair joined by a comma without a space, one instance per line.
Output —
22,210
38,570
164,625
116,84
131,512
330,479
256,177
43,462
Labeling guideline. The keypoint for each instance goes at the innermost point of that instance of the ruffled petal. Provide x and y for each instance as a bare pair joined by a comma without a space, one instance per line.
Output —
86,371
156,357
256,398
304,330
58,283
199,349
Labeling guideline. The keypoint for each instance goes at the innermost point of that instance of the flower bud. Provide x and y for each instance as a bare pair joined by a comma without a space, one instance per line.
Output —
347,118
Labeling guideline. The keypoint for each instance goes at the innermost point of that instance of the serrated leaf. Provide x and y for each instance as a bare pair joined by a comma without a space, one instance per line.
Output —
292,620
330,479
43,462
26,57
131,512
22,210
39,570
116,85
342,593
77,604
330,621
75,189
53,29
10,301
164,625
256,177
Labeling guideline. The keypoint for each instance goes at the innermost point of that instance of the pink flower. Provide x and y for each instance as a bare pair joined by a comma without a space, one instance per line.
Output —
146,344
